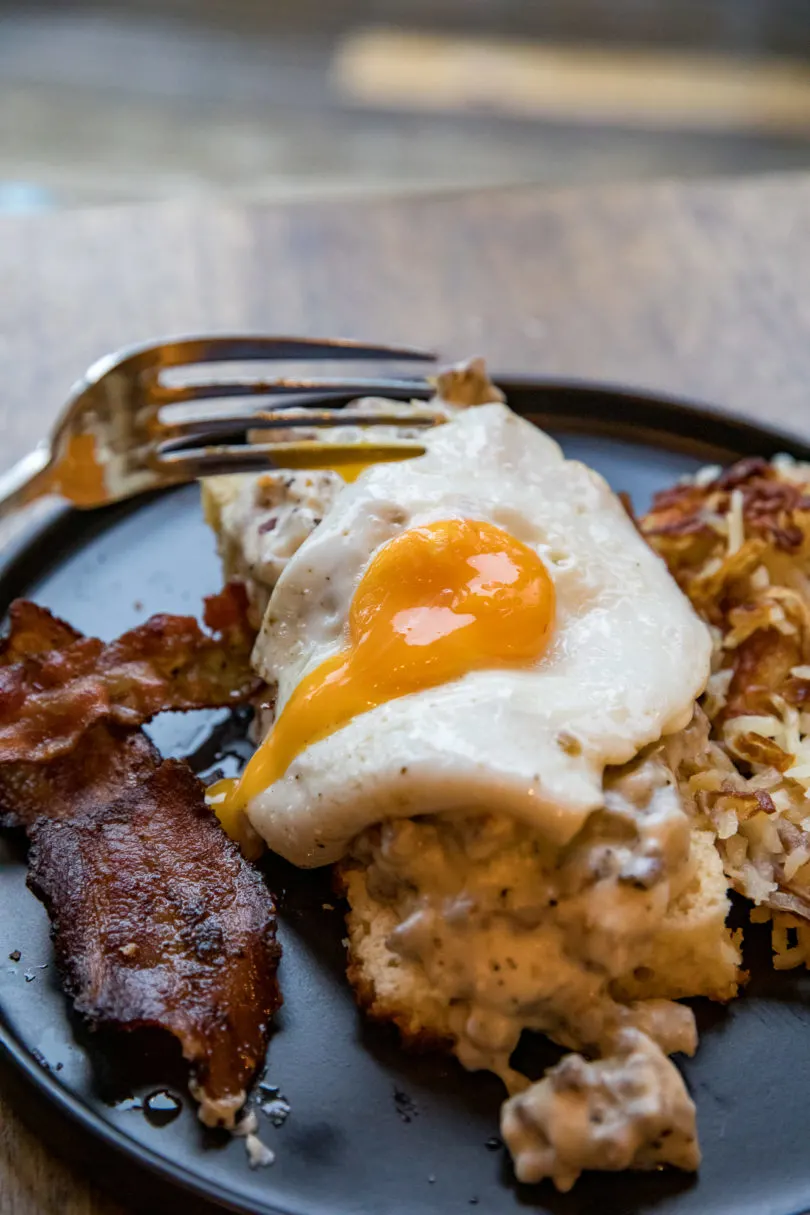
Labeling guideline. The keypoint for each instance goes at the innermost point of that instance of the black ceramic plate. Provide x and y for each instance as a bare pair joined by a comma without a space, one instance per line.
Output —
371,1130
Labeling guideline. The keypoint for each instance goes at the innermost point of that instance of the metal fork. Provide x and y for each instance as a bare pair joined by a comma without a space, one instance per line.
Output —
112,442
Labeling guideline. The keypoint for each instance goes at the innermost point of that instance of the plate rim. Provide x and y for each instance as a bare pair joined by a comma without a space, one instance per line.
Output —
572,398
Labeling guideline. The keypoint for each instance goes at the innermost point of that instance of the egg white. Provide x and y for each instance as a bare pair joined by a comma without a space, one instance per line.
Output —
627,659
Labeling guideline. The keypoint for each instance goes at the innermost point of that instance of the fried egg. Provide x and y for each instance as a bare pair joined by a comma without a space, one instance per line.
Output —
478,629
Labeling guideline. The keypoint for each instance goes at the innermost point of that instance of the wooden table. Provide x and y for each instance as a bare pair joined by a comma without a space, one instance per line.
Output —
701,290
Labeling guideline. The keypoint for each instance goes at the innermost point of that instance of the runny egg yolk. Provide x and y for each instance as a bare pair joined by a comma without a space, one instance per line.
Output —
350,472
435,602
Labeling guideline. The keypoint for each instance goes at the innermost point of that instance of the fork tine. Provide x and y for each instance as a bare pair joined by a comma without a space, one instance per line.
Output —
177,352
235,349
200,429
176,395
308,454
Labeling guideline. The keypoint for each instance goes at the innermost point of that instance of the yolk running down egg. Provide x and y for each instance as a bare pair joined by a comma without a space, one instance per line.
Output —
350,472
435,602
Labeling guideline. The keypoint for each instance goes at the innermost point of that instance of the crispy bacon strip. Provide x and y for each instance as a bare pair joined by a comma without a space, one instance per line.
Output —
55,684
157,921
107,761
34,632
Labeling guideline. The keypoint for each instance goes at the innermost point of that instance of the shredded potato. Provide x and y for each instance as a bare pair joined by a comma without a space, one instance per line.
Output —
738,544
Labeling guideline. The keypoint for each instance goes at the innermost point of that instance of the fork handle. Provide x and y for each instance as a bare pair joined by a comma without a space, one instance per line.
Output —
24,482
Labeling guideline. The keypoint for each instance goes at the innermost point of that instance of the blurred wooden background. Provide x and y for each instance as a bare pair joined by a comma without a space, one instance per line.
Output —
140,99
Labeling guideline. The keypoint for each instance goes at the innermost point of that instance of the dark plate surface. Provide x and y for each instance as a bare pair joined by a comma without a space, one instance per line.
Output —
372,1131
